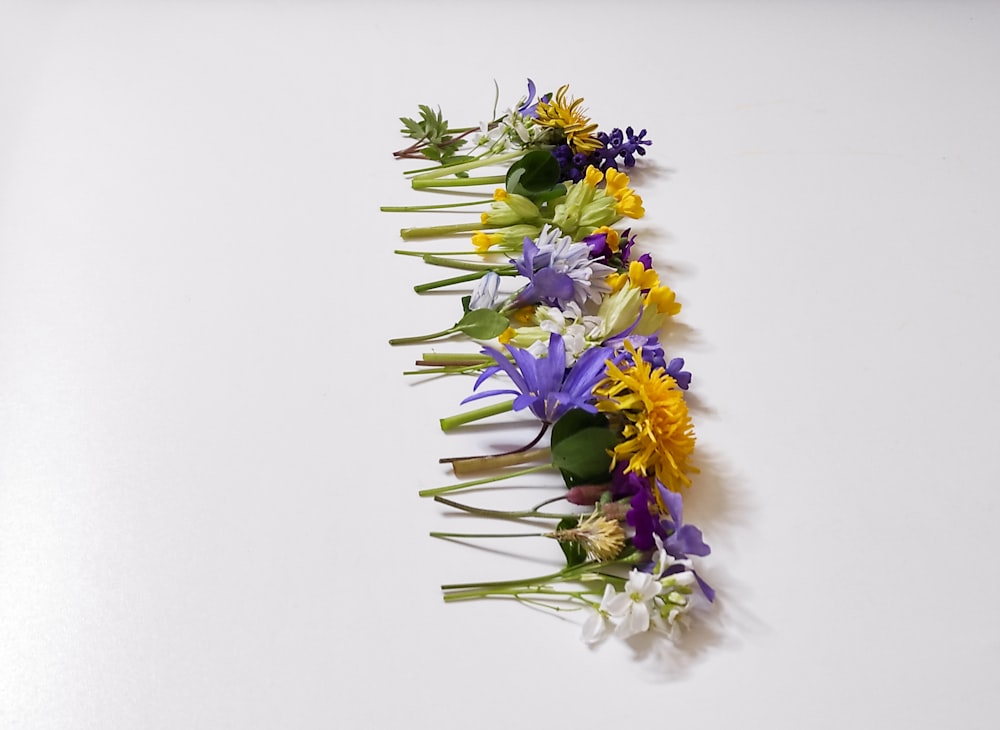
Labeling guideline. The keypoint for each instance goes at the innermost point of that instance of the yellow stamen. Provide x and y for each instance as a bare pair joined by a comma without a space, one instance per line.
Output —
483,241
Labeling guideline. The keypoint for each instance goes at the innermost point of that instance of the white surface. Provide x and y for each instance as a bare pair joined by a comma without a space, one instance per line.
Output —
209,459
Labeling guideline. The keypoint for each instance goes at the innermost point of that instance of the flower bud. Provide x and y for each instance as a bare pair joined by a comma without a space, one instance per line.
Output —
585,494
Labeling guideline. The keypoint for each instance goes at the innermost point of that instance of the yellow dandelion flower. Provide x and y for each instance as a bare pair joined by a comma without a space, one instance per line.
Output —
566,115
658,436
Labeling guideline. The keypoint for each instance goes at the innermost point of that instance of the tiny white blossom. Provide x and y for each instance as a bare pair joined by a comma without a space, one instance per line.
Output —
598,623
632,606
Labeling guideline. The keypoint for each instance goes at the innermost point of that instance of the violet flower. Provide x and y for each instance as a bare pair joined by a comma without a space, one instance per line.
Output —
545,385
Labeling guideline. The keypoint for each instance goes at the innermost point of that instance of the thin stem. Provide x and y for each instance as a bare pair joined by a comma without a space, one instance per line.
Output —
564,575
479,482
506,514
519,449
403,252
448,282
421,338
446,357
518,593
436,260
549,501
485,534
472,165
447,424
438,206
447,370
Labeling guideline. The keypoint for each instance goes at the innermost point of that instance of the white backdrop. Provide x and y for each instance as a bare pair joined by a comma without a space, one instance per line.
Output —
209,457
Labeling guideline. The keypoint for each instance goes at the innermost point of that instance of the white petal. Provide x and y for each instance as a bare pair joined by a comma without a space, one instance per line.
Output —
609,593
595,628
619,604
635,622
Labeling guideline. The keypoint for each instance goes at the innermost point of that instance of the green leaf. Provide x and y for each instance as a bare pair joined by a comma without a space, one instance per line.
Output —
575,420
584,454
535,176
574,552
482,324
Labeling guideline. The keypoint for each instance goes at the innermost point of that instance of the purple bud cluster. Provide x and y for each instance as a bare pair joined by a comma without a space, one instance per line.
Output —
619,150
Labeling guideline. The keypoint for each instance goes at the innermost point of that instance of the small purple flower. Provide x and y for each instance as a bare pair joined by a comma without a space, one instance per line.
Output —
679,540
675,369
682,540
545,385
626,484
545,285
599,248
625,145
530,107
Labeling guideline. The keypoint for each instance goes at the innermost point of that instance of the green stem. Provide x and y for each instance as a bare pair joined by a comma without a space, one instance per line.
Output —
445,370
435,260
517,592
479,482
421,338
564,575
439,206
448,282
430,231
421,183
467,466
453,358
466,166
505,514
402,252
451,422
485,534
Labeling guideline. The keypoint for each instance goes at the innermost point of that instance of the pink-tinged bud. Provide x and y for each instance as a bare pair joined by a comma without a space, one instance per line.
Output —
585,495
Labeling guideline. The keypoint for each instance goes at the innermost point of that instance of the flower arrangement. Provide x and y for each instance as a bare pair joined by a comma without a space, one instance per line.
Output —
567,316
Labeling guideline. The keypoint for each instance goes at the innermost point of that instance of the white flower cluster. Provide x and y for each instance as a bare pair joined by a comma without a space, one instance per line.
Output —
649,601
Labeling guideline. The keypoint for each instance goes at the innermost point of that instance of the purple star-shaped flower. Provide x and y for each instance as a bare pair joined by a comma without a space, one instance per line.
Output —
545,385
